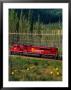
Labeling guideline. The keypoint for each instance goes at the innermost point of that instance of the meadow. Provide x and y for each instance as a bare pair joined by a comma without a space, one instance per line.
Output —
32,69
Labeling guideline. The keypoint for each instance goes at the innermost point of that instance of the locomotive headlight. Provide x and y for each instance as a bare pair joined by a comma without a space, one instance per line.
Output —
15,48
33,49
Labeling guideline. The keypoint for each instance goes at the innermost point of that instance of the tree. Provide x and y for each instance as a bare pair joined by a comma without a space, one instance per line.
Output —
30,21
39,30
13,27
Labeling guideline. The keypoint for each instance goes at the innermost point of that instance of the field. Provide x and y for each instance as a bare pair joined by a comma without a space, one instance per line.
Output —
32,69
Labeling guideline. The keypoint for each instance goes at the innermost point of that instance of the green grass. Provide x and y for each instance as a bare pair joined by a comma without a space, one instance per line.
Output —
26,69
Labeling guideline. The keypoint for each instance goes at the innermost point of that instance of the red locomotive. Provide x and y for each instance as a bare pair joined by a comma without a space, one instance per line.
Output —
34,50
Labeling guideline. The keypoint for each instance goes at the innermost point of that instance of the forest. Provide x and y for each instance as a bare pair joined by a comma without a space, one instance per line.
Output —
17,17
36,27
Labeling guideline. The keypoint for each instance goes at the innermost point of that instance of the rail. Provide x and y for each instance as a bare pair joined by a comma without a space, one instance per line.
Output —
34,34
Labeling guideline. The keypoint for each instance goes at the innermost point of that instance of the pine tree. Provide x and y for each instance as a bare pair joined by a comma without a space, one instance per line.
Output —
13,27
20,26
30,21
25,30
39,30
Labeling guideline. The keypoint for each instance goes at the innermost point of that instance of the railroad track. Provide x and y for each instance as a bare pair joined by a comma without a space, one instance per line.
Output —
37,57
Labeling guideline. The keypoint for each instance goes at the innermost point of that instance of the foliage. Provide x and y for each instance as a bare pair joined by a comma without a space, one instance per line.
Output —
27,69
34,22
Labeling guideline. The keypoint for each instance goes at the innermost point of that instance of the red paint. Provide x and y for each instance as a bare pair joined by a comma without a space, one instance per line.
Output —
42,50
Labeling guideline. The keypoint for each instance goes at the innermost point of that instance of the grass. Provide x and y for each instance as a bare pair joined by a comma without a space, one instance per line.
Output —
27,69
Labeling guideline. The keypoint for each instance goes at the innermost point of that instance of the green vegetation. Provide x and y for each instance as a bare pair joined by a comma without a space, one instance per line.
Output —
35,27
27,69
22,22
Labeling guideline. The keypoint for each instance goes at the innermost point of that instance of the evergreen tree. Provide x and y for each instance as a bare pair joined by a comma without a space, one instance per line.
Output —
39,30
13,27
30,21
20,27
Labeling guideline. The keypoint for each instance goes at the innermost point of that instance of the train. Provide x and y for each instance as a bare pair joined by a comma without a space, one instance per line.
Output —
50,52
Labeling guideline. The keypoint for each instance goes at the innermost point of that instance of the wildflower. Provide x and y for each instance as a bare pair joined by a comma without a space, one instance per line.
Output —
57,73
56,69
27,68
51,72
12,73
